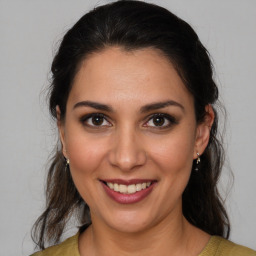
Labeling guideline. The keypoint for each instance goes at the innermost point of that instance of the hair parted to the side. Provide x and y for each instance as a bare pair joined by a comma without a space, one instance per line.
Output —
134,25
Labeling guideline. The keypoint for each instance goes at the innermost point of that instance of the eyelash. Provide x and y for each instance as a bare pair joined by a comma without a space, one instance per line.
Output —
170,119
85,119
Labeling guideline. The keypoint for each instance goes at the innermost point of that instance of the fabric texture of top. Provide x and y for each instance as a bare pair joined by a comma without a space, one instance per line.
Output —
217,246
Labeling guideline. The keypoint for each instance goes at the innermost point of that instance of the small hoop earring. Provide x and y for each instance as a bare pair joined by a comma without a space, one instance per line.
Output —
198,160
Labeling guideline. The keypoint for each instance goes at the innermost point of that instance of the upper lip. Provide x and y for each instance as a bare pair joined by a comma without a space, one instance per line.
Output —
127,182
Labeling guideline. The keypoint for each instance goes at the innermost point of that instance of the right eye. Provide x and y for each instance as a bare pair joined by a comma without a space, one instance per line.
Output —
95,120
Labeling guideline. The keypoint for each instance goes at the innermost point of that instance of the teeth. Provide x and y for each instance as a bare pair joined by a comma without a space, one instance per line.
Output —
111,185
130,189
116,187
138,187
123,189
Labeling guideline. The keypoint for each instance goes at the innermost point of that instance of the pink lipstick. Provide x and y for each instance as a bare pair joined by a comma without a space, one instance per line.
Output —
128,191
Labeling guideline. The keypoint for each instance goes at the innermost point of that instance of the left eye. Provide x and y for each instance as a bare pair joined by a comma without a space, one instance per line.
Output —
160,120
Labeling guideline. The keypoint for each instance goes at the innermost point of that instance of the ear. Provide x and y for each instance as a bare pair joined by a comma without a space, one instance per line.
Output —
61,131
203,131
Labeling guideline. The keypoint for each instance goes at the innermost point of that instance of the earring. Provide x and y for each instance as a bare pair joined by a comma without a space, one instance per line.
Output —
67,164
198,160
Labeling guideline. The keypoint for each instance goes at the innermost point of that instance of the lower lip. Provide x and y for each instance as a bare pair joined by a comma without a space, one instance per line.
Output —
128,198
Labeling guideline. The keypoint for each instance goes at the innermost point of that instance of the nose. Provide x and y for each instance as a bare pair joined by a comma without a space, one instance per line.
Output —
127,151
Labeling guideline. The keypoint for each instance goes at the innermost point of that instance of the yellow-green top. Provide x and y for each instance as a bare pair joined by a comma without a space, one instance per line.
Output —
217,246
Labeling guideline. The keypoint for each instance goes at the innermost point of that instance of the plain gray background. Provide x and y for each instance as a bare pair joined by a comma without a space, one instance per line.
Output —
29,32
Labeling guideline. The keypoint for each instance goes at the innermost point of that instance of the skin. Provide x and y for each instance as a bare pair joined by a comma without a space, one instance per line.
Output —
129,145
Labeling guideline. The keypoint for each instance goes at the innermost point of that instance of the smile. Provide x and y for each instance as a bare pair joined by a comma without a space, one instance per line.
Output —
128,189
128,192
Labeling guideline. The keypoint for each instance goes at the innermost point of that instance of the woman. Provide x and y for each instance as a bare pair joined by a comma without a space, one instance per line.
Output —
134,100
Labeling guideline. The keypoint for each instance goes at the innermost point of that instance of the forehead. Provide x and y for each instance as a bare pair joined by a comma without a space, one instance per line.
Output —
128,76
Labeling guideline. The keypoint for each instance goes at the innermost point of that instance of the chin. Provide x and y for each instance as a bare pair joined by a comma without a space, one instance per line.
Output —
129,222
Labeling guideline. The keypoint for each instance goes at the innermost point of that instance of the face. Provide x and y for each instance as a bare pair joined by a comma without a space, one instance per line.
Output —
130,135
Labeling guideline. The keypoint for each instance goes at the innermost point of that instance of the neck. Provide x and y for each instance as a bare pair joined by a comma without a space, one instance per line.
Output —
170,237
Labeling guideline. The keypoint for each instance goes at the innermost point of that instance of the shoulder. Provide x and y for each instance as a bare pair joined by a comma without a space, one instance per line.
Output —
219,246
67,248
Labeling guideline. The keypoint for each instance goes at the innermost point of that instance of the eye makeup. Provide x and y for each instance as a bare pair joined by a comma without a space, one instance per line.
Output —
95,120
157,121
161,121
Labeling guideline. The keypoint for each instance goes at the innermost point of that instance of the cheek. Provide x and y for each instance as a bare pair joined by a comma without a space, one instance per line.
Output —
174,153
173,158
85,154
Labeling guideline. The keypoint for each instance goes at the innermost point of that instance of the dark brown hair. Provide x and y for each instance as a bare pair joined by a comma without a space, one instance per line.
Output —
135,25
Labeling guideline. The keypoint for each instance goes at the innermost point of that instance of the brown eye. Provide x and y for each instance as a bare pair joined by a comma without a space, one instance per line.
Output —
161,121
158,120
96,120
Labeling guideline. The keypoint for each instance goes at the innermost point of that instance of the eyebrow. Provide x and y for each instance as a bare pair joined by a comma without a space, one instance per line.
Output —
93,104
146,108
158,105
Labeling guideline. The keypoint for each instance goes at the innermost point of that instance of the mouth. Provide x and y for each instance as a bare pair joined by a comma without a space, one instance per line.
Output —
128,189
127,192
